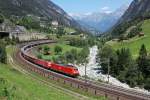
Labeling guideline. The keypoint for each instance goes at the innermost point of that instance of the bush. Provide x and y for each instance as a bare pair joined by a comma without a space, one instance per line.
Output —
14,40
1,18
78,42
58,49
46,50
134,31
3,54
82,56
39,56
29,22
147,84
39,48
7,90
69,57
74,56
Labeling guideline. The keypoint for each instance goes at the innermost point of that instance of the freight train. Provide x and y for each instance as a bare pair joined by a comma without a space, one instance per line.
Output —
68,70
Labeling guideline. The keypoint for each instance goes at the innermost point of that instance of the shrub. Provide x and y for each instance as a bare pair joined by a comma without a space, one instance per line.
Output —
1,18
46,50
58,49
3,54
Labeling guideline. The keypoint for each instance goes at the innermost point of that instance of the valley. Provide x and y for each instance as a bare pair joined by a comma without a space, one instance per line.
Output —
64,50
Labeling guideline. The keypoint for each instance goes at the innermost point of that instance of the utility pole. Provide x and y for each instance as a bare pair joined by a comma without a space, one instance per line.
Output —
108,69
86,85
85,66
85,72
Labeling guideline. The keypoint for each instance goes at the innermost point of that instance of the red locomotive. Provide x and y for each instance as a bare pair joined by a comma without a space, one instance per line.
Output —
64,69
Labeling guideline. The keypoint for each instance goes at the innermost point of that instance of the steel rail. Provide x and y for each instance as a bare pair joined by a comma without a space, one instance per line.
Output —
111,89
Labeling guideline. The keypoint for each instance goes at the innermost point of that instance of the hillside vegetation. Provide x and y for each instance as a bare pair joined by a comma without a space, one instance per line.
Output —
135,43
129,59
16,86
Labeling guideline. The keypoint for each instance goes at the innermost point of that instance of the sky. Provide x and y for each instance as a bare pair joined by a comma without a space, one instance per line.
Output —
89,6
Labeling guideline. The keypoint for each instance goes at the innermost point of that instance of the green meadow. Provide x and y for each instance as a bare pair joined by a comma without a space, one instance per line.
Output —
135,43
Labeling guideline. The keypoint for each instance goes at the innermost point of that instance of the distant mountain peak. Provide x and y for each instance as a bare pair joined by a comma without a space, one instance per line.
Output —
102,20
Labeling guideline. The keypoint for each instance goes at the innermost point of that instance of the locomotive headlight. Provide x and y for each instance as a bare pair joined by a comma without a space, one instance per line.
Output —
49,64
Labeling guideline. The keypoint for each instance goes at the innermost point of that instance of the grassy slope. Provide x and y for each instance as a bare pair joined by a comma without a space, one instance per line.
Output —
64,47
68,30
135,43
29,89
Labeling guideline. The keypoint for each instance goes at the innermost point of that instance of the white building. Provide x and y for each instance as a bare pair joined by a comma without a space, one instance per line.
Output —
55,23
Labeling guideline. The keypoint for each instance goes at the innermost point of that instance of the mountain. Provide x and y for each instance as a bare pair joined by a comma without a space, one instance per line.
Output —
100,21
39,8
137,9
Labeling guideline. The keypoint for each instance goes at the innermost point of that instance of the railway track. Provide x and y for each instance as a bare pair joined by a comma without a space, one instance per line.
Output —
68,92
95,88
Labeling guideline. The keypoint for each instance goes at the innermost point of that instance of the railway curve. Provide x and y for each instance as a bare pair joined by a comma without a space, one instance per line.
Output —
99,89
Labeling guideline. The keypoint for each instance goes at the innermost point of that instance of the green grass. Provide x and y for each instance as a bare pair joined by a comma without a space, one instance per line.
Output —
29,89
64,47
68,30
135,43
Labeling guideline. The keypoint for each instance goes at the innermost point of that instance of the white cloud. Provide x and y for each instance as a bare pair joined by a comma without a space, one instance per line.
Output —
89,13
71,14
80,14
108,12
106,9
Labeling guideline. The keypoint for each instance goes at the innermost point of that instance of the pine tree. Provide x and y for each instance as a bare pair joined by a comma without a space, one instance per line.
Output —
142,57
1,18
124,59
3,54
46,50
108,56
144,62
58,49
143,52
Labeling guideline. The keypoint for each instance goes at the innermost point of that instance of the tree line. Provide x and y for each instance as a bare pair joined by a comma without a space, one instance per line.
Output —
82,42
135,72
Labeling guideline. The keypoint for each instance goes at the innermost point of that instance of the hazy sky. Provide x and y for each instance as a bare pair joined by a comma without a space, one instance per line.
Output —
88,6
